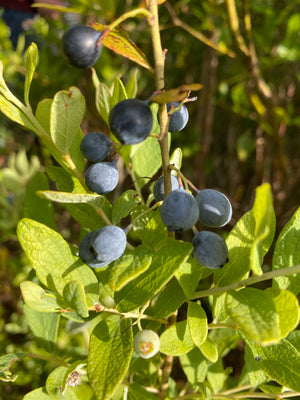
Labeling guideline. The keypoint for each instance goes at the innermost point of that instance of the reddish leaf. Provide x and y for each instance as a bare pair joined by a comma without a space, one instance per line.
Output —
118,41
178,94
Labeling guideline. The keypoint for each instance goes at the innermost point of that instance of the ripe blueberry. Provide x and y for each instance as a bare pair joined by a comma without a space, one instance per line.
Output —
131,121
82,46
95,146
210,249
159,190
101,247
214,208
146,343
179,211
178,119
102,177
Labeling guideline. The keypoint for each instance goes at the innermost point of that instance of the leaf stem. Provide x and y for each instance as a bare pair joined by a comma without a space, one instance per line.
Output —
123,17
249,281
131,315
52,359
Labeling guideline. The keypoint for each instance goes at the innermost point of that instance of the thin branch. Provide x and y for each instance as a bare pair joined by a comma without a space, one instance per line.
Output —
250,281
198,35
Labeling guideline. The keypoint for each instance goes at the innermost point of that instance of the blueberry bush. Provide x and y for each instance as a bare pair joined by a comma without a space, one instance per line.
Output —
152,295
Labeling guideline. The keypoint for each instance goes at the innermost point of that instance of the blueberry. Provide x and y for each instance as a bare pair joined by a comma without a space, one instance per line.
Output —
101,247
95,146
214,208
179,211
85,252
102,177
82,46
210,249
131,121
146,343
178,119
159,190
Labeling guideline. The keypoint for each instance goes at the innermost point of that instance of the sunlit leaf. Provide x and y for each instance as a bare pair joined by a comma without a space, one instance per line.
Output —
118,41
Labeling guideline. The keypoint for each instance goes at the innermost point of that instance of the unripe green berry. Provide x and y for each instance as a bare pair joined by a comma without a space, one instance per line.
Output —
146,343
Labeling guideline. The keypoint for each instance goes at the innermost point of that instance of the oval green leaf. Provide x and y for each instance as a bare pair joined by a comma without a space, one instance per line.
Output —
53,260
197,322
176,340
110,352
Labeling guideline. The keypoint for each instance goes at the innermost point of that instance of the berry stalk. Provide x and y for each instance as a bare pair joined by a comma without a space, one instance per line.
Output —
159,61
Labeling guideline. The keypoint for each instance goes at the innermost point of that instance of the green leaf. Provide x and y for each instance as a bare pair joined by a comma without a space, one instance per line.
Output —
124,205
43,115
131,86
197,322
143,167
260,323
75,297
209,350
62,381
148,226
239,242
287,308
287,254
154,231
56,383
176,158
118,92
188,276
67,111
165,262
38,394
36,208
110,352
44,326
31,61
95,200
168,301
118,41
14,113
294,339
53,261
129,266
194,365
39,299
281,362
263,213
256,376
6,362
248,241
85,214
217,376
103,97
176,340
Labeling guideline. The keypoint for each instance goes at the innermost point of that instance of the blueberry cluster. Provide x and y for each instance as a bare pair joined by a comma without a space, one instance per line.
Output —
102,176
101,247
180,211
